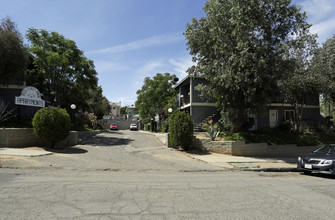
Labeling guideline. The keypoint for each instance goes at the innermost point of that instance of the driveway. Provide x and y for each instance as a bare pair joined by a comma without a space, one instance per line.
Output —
114,150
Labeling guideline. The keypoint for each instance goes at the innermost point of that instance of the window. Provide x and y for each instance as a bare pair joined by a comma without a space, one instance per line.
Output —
289,115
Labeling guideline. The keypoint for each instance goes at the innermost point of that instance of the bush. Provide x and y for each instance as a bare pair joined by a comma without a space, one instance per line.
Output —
284,126
164,126
5,113
17,122
181,130
212,130
51,124
234,137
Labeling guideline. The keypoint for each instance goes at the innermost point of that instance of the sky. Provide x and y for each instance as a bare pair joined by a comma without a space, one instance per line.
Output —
129,40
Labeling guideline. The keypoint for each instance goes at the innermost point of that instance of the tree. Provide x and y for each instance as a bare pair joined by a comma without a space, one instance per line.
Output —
13,53
63,74
154,96
323,65
123,111
236,46
98,103
300,80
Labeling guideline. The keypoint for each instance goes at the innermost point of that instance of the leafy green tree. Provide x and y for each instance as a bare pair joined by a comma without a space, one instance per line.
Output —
323,65
300,81
13,53
98,103
63,74
155,95
236,46
123,110
327,106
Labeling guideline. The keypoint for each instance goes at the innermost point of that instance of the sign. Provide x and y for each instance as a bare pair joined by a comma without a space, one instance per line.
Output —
30,96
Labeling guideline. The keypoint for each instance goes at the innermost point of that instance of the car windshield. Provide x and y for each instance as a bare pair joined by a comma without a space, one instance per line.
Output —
326,150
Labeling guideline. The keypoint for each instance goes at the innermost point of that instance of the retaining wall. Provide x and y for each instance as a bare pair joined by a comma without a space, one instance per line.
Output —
251,150
24,137
163,137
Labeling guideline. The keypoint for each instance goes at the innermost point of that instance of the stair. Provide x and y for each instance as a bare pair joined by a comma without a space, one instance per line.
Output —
211,115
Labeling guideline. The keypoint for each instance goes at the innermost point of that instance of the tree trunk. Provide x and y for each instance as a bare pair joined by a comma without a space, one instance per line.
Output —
298,111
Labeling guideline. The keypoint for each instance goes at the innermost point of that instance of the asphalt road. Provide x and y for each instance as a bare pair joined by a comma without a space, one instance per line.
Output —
115,150
136,178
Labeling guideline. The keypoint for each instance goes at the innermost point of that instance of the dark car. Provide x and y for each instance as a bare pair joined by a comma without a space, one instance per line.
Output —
113,126
322,160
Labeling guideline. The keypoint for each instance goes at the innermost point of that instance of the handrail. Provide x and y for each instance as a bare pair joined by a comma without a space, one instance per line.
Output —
199,119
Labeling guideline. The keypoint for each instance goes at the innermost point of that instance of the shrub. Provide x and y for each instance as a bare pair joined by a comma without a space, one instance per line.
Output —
212,130
164,126
92,118
52,124
18,122
5,113
181,130
284,126
234,137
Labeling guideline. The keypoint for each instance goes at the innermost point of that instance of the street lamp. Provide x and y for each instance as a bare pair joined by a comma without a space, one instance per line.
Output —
170,110
73,107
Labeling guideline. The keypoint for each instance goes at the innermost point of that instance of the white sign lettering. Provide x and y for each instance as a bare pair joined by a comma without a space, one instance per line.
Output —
30,96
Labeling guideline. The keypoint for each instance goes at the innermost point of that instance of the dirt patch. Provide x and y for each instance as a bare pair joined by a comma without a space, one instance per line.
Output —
201,136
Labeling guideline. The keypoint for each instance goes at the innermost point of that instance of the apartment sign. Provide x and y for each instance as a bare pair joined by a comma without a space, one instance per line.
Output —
30,96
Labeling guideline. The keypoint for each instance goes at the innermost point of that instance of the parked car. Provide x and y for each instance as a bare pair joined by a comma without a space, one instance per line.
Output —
113,126
321,160
133,127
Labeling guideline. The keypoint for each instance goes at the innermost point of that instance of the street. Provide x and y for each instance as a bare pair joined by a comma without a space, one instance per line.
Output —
131,175
114,150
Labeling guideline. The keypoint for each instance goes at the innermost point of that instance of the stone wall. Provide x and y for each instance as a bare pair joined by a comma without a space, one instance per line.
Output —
163,137
251,150
24,137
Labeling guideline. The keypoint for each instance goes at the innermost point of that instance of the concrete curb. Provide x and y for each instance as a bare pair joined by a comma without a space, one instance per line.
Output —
230,162
23,152
273,169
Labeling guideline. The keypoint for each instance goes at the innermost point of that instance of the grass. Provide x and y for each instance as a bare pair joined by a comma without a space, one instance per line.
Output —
276,137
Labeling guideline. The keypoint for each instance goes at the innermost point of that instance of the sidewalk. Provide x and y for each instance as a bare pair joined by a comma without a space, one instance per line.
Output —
221,160
248,163
24,152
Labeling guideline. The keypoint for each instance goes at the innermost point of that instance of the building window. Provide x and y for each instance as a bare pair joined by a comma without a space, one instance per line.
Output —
289,115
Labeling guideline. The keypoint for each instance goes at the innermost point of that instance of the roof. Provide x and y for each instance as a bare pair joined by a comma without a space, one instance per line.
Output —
186,78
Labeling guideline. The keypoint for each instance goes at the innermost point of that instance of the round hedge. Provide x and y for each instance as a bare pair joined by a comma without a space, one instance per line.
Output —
181,130
51,124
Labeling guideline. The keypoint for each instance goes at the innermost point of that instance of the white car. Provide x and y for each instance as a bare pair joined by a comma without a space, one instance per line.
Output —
133,127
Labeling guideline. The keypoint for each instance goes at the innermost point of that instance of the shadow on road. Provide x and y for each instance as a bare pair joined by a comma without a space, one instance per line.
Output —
106,141
320,175
197,152
67,150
